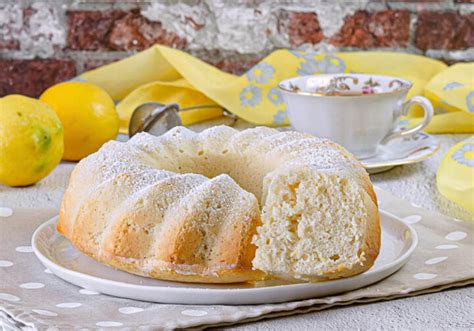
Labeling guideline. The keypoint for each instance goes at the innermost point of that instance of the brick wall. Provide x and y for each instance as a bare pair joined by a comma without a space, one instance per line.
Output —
44,42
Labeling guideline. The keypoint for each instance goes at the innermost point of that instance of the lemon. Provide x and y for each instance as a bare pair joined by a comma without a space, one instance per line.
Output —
31,140
88,115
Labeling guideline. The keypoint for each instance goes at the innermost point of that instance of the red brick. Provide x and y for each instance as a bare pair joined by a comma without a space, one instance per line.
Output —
388,28
195,25
134,31
450,62
88,30
10,39
117,30
92,64
9,44
236,66
31,77
304,28
9,29
27,13
444,30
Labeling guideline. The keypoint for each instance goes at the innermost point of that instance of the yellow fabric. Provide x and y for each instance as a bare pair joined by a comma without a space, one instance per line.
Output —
453,89
455,178
463,122
178,91
452,94
164,74
167,75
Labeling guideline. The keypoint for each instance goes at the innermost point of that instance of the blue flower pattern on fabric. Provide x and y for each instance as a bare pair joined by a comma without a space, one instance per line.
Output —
280,117
452,85
460,155
250,96
470,102
330,64
308,55
274,95
298,53
261,73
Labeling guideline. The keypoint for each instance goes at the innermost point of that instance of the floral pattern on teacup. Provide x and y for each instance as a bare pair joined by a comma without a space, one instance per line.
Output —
293,87
337,85
370,86
348,85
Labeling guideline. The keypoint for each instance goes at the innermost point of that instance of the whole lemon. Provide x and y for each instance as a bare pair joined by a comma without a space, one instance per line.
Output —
88,116
31,140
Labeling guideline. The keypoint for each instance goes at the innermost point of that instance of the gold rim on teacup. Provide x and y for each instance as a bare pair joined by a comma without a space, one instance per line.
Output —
337,84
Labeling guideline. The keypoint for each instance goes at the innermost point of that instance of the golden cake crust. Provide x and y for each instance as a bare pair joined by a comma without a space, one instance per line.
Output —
186,206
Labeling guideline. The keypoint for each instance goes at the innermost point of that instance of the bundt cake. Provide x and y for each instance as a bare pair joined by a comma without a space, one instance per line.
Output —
224,206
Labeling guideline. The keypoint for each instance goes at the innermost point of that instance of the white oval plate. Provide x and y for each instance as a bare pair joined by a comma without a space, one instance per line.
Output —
58,255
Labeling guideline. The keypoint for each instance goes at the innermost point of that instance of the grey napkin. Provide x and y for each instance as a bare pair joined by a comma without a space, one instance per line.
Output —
31,296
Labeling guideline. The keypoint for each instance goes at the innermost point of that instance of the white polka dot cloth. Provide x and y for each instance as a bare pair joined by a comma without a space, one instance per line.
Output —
31,296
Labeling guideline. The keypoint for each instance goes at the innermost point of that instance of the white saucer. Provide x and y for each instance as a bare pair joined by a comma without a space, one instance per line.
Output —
58,255
402,151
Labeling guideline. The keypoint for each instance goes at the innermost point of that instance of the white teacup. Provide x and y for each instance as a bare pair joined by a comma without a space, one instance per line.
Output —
358,111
